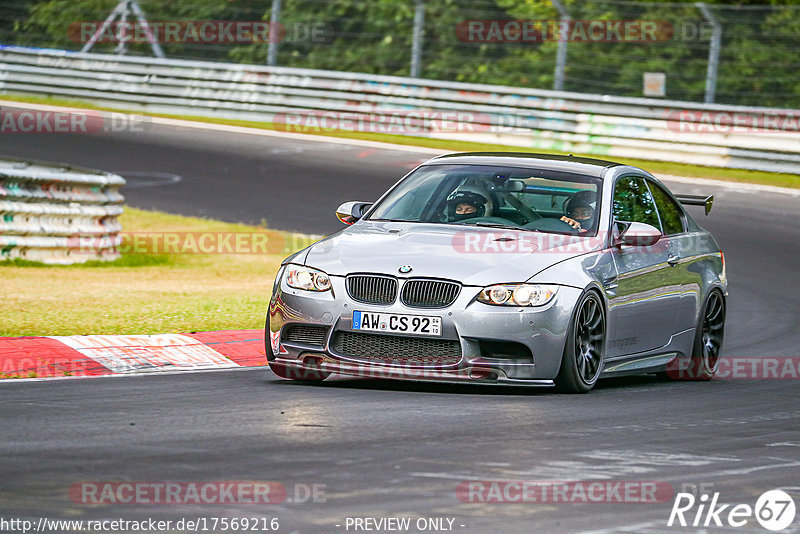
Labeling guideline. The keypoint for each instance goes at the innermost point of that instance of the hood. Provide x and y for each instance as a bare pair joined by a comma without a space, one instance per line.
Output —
470,255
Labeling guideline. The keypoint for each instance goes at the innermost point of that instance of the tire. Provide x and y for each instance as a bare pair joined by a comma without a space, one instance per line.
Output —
708,338
585,346
280,369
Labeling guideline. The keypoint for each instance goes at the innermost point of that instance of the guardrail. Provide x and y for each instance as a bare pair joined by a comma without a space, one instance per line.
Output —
47,210
706,134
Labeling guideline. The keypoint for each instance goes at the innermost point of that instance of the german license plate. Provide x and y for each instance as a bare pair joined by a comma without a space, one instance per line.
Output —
424,325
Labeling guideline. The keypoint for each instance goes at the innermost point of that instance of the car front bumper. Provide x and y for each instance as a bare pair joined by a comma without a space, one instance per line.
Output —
474,325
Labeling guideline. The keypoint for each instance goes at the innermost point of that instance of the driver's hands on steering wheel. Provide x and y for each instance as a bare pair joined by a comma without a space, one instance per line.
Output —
573,223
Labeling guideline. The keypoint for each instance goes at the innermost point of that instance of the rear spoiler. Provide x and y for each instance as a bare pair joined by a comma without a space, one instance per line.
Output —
697,200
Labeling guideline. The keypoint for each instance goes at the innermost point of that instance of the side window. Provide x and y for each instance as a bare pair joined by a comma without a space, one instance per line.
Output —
671,213
633,202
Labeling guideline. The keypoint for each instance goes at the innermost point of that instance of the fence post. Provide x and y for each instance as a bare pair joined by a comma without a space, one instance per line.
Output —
713,51
123,9
151,38
419,34
561,52
275,18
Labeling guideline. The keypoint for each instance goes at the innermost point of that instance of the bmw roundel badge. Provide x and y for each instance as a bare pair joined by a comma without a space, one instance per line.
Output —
405,269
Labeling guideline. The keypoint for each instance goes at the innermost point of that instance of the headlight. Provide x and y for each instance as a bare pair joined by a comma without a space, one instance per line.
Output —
518,294
300,277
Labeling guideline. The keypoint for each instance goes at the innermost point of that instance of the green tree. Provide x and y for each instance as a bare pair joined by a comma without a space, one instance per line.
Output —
758,63
375,36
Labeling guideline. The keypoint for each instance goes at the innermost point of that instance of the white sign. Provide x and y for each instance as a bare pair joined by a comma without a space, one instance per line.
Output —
655,84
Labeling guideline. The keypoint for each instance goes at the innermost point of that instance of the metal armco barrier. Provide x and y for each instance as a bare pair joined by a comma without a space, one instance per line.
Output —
705,134
47,211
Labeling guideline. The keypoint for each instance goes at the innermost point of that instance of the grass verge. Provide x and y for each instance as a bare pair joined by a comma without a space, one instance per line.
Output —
656,167
144,293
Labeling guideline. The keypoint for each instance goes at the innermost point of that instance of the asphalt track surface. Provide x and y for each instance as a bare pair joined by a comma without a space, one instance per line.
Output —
392,449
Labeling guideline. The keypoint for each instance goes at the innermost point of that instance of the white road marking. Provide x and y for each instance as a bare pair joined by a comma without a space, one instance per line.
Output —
148,178
145,354
657,458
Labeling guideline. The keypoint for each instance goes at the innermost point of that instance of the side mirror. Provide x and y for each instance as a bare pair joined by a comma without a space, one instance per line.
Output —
350,212
637,234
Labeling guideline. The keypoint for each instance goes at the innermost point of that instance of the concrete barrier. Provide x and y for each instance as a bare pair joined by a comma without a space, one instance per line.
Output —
46,209
706,134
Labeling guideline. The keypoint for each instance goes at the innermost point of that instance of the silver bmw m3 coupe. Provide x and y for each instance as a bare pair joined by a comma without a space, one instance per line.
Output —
506,268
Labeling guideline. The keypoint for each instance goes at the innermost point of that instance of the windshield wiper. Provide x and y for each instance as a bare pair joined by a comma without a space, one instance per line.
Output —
494,225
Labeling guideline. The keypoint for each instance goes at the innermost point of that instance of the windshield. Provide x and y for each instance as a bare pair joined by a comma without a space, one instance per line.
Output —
483,195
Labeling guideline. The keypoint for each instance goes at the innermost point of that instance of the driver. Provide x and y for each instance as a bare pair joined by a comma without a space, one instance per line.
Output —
580,211
468,202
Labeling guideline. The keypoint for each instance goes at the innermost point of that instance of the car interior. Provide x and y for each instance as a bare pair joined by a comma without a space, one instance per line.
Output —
535,203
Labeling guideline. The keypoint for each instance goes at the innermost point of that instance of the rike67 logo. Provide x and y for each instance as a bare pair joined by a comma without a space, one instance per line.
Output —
774,510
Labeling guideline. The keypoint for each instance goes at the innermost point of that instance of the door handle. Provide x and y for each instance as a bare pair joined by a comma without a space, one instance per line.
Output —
673,259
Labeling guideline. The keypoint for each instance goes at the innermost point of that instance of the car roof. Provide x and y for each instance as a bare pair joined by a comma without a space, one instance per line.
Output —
565,163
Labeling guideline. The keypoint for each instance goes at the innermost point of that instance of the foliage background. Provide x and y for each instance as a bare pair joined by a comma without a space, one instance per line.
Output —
759,63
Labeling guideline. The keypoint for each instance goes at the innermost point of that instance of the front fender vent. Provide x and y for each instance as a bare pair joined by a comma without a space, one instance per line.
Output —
309,334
